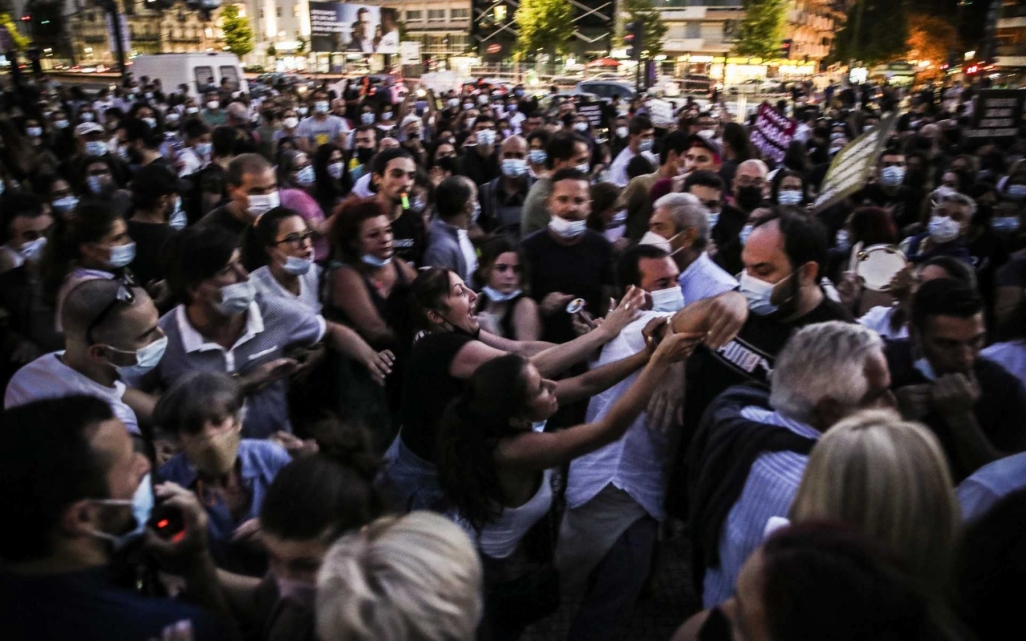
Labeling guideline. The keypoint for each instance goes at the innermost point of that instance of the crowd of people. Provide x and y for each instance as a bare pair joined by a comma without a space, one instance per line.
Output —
331,364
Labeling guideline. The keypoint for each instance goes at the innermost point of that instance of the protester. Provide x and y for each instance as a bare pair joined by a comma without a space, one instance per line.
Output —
502,307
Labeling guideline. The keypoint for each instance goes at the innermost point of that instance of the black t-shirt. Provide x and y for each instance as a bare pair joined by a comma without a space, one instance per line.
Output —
749,358
149,239
428,388
478,168
581,270
223,218
1013,273
903,203
410,238
727,236
1000,412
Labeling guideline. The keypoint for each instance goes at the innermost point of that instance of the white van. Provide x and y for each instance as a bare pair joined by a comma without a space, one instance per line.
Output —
201,71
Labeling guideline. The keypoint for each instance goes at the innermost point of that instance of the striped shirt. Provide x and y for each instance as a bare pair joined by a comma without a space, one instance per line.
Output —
771,486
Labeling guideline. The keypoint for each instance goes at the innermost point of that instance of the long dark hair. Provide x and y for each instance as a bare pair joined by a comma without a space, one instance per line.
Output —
736,136
260,235
91,221
328,190
470,429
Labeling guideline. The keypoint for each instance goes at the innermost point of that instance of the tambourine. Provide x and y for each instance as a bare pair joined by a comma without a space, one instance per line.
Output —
877,265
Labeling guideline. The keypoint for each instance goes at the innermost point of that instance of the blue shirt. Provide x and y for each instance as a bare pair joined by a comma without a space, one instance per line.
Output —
704,279
990,484
259,462
769,491
86,605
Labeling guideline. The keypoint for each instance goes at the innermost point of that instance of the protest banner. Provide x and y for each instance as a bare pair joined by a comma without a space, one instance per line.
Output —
772,133
997,115
592,110
855,163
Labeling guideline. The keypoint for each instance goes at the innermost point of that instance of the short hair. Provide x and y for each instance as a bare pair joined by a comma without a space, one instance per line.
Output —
195,254
960,199
822,360
704,178
889,480
677,141
47,463
194,128
603,196
687,212
628,270
223,140
345,229
380,161
539,134
245,164
196,399
416,576
562,147
639,125
452,196
944,297
639,165
569,173
956,268
18,205
804,237
87,300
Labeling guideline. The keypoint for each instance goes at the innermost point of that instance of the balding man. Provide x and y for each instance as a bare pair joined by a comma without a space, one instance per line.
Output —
252,190
502,199
110,334
748,188
680,226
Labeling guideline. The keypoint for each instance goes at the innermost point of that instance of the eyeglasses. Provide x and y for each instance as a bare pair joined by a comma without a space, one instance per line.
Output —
499,267
296,240
124,295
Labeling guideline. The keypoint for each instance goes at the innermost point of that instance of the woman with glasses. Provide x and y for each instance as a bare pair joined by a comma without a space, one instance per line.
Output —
278,251
502,306
297,178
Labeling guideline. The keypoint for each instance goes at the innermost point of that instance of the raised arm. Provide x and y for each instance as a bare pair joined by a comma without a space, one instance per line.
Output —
539,451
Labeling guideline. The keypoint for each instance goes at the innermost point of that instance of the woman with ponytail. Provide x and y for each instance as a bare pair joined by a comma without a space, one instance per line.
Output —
315,500
91,243
495,461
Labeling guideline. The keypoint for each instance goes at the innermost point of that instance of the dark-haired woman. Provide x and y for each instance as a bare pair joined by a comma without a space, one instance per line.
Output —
202,414
502,307
494,462
313,502
450,348
280,256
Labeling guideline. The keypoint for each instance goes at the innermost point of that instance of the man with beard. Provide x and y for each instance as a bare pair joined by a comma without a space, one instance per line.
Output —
732,228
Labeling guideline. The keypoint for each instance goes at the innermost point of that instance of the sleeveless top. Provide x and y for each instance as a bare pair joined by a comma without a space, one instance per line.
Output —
499,538
506,322
380,303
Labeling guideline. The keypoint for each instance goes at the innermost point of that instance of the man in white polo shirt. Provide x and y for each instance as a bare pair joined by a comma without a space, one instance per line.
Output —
111,333
223,326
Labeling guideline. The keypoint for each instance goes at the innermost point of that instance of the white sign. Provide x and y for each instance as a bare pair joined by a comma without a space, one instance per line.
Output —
409,53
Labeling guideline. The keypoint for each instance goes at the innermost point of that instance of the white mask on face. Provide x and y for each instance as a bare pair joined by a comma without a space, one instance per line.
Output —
335,170
122,255
789,197
567,228
944,229
621,132
291,122
261,204
236,298
146,359
670,299
758,292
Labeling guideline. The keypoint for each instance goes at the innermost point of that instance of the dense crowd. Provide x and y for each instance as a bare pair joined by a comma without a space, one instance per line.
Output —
346,363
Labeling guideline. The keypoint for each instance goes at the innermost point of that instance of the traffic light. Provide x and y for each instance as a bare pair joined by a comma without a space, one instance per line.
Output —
785,49
632,38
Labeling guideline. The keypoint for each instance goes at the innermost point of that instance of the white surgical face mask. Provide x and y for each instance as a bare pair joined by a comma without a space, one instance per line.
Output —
64,205
95,148
236,298
291,122
335,170
892,176
204,148
297,266
514,167
34,132
261,204
374,261
496,296
150,122
537,156
567,228
33,249
668,300
121,255
321,107
842,241
943,229
142,506
1005,223
146,359
621,132
367,118
655,240
925,368
758,292
486,137
305,176
789,197
581,127
213,104
584,168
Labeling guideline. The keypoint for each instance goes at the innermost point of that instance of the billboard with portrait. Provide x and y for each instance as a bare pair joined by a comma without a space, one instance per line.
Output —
353,28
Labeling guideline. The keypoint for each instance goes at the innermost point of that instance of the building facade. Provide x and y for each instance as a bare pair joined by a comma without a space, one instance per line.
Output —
1010,37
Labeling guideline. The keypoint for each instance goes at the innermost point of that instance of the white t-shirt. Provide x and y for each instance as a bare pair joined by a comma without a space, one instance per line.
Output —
48,377
309,287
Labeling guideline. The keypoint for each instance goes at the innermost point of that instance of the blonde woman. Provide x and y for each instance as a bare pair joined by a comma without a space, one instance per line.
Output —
411,578
888,479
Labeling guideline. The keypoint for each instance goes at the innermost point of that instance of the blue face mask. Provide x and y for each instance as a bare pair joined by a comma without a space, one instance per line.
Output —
374,261
297,266
496,296
122,255
538,156
142,507
64,205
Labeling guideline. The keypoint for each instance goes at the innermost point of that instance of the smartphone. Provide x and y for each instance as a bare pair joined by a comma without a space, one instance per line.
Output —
167,521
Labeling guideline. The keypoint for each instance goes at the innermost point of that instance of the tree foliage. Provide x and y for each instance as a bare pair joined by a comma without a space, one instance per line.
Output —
238,36
880,36
20,41
655,27
762,30
931,38
544,24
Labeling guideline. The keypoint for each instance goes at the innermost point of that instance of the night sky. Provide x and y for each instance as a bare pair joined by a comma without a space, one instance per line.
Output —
974,15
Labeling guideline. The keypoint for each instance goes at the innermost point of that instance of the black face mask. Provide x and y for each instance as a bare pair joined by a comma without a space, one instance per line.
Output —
749,197
364,154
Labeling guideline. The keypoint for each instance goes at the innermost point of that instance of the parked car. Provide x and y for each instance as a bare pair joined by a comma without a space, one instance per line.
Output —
606,89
